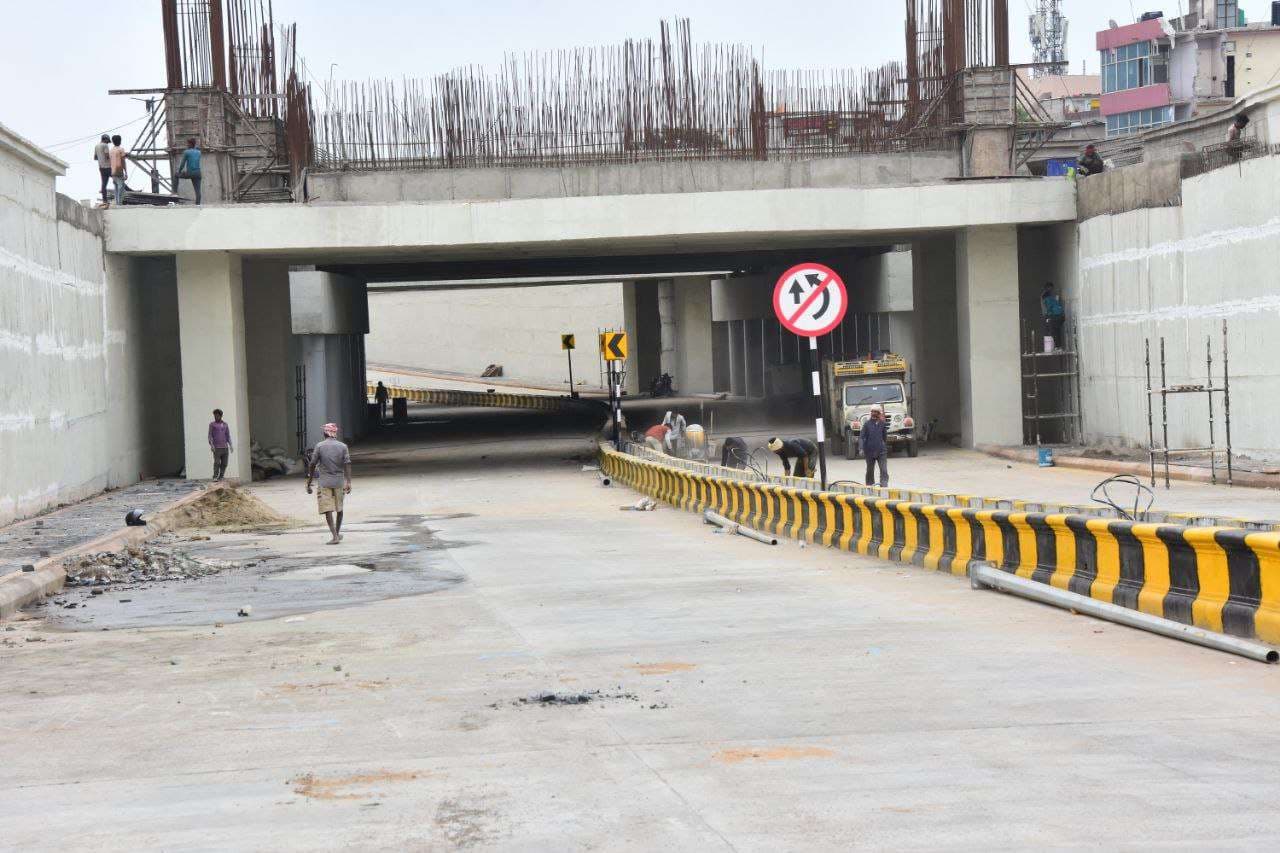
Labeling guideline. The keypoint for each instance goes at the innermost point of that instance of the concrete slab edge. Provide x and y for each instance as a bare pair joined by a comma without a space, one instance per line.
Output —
1216,578
18,589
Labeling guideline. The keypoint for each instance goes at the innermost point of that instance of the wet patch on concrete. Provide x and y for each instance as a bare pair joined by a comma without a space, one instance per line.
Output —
277,573
558,700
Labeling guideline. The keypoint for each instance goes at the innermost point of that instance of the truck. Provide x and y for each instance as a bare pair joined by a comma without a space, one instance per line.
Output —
853,387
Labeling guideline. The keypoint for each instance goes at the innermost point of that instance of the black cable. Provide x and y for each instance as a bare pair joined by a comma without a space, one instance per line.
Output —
1140,490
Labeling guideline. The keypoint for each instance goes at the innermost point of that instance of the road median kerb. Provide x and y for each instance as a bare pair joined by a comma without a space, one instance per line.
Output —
1141,469
18,589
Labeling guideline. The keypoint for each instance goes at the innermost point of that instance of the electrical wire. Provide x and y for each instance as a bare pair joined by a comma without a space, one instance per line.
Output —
91,136
1140,491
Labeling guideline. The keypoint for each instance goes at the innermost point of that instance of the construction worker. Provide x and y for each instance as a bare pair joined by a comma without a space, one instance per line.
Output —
733,454
220,444
381,395
803,451
1090,163
874,441
332,460
1055,315
102,155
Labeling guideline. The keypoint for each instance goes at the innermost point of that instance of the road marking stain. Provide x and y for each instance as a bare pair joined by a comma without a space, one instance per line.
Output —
326,686
663,668
336,787
777,753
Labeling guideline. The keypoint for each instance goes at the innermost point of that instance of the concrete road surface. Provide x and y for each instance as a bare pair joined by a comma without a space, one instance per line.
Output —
741,697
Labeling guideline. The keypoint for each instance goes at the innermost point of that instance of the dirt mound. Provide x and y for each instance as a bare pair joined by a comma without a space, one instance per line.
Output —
222,508
143,563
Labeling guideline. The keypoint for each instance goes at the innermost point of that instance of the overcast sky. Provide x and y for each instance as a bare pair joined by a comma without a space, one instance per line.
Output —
58,59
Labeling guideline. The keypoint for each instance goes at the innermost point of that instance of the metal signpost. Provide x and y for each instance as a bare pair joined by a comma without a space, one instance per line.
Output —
567,344
811,300
613,346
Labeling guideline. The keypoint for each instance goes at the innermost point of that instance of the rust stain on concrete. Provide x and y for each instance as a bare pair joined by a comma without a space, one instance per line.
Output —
338,787
776,753
662,668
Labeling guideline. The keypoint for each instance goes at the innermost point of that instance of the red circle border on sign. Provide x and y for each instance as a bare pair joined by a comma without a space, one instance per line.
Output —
786,276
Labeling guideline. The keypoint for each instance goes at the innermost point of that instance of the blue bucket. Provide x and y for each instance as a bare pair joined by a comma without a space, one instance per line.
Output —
1045,457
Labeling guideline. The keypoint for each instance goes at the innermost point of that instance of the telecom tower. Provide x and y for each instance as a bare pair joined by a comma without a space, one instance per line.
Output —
1049,38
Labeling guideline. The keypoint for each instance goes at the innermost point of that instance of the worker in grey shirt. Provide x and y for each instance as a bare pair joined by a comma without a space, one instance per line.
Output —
102,154
331,459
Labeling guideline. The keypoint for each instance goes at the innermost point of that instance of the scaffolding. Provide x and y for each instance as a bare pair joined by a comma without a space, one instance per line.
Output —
1164,451
1051,387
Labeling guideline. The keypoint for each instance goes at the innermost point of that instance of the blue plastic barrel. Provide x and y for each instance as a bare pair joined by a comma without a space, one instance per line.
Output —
1045,456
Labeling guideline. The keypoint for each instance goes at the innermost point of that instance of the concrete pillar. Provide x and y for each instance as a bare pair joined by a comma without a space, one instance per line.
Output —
936,364
753,337
270,351
987,310
695,346
668,331
330,314
214,367
737,359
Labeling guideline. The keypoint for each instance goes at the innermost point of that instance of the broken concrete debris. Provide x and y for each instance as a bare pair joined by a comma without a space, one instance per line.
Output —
562,699
273,461
138,564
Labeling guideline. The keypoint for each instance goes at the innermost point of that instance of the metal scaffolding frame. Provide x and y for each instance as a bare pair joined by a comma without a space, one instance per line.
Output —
1164,451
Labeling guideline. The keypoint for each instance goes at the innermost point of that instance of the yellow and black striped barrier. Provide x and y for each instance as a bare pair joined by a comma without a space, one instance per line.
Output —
496,400
1225,580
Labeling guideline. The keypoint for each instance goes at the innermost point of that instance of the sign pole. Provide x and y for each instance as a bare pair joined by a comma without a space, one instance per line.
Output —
819,422
616,396
573,392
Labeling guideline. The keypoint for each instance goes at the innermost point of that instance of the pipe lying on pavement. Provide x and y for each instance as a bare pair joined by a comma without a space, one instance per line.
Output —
989,576
734,527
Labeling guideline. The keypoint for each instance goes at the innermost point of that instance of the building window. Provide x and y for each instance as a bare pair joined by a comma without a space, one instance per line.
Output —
1123,124
1133,66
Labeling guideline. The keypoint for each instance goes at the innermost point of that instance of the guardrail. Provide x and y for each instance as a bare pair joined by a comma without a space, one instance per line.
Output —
1214,578
497,399
936,498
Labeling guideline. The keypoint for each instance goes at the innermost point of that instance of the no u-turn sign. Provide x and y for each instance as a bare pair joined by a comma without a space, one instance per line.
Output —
810,299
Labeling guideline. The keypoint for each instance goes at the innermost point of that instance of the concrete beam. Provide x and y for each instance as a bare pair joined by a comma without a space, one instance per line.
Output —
604,224
990,355
214,373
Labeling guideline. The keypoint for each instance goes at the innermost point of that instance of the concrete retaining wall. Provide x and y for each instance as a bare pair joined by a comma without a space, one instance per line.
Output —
1178,272
633,178
88,347
518,327
1221,580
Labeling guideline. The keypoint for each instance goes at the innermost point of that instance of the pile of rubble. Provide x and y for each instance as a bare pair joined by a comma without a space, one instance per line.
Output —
138,564
273,461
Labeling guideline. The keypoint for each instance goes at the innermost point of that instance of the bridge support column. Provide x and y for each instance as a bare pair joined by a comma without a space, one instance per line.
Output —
330,319
271,355
989,352
214,373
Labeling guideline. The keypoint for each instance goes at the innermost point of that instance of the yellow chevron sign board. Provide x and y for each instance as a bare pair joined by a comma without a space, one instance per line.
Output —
613,346
567,342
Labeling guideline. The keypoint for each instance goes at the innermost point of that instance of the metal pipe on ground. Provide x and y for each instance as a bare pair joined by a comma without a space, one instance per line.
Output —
734,527
983,576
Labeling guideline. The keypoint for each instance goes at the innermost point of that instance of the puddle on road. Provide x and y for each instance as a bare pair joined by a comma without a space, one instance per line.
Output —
280,573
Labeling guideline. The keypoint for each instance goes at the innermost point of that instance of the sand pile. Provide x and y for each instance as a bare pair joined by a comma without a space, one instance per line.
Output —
223,508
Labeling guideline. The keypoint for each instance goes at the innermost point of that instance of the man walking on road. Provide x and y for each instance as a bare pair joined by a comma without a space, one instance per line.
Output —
220,444
874,439
381,395
332,460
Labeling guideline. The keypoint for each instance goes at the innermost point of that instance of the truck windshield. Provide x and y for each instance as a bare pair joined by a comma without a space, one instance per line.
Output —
865,395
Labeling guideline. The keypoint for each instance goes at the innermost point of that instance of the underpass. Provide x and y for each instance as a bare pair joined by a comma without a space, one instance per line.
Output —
732,695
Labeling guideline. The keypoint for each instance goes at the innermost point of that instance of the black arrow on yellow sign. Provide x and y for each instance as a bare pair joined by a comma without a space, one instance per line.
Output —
567,342
613,345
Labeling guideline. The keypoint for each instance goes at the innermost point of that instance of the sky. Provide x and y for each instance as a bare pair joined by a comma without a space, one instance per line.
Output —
58,61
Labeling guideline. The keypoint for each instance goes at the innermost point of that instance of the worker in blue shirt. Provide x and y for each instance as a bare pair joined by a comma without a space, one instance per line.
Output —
1055,316
189,168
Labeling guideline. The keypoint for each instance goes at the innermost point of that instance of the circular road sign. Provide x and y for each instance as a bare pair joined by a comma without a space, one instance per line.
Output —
810,299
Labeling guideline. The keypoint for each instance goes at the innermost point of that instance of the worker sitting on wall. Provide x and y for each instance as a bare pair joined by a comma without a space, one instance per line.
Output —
1090,163
803,451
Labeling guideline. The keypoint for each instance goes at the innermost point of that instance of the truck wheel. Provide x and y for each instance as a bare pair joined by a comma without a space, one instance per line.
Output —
913,449
851,449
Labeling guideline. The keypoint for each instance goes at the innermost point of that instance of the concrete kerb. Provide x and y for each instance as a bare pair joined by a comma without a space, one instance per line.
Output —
18,589
1141,469
1219,579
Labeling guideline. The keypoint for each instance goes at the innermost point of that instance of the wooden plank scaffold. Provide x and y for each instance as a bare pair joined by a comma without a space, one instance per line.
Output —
1213,451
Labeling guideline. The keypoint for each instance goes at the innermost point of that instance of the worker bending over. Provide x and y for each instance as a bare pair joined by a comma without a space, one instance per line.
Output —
733,454
802,450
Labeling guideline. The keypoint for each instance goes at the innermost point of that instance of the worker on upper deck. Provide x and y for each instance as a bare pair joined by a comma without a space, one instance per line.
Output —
1090,163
